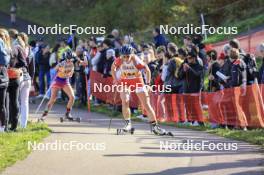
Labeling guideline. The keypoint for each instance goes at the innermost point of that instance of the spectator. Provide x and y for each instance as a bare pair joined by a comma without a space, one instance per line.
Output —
93,47
187,42
192,74
28,72
226,68
17,62
238,69
213,67
53,61
110,57
159,39
81,76
248,60
174,64
115,33
72,40
63,48
5,50
44,68
106,45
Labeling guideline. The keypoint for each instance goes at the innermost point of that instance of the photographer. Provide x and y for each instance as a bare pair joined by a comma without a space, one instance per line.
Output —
192,73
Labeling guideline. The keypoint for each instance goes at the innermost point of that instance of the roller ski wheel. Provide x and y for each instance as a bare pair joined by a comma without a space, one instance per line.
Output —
124,131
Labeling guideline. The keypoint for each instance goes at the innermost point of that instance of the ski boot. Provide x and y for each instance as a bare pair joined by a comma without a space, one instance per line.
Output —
157,130
127,129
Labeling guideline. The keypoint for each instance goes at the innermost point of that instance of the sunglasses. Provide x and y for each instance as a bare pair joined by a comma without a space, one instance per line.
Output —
126,56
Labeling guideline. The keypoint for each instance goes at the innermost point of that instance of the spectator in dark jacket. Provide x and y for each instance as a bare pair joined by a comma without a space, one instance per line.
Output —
238,69
192,73
248,60
159,39
42,58
225,68
213,67
102,59
110,57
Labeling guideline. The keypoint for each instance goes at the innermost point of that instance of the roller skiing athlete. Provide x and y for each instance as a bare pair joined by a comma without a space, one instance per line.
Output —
65,71
130,68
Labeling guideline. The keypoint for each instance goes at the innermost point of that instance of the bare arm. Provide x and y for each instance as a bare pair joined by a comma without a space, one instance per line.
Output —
148,74
113,72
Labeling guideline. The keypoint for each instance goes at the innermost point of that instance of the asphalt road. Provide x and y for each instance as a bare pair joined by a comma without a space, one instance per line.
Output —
102,152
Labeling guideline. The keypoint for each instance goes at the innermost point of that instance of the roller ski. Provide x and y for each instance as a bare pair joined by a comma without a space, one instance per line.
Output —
43,117
68,117
157,130
127,129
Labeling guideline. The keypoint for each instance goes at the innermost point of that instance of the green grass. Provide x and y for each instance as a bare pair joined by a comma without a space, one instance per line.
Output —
14,145
254,136
242,26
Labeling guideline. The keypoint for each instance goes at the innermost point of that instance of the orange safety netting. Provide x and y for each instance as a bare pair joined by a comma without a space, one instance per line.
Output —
234,106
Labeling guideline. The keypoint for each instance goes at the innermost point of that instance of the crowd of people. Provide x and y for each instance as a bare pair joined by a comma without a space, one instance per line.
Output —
25,64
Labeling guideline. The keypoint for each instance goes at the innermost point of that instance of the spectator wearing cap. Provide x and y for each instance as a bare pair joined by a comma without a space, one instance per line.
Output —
191,72
159,39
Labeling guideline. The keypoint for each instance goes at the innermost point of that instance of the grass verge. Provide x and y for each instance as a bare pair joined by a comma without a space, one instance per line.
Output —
14,145
254,136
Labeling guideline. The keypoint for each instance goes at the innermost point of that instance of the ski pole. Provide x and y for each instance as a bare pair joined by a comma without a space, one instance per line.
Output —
46,94
110,122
